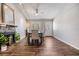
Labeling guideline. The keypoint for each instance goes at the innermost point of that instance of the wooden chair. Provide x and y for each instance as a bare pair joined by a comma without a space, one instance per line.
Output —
34,38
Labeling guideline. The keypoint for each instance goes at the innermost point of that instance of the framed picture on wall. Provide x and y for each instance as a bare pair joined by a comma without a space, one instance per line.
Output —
1,14
8,14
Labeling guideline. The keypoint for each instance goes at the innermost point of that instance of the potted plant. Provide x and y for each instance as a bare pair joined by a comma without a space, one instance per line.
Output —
17,36
3,42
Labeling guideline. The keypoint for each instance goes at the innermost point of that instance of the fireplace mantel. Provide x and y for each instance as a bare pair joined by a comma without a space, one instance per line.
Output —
9,25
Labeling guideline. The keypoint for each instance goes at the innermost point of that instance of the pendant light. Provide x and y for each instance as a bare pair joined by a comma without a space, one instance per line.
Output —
37,9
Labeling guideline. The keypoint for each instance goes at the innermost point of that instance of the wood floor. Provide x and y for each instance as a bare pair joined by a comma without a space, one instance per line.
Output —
50,47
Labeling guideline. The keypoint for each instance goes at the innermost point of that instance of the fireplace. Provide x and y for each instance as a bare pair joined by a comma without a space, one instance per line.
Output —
9,31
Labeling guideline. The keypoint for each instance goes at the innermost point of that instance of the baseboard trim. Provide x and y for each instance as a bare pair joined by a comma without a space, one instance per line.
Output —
48,36
66,43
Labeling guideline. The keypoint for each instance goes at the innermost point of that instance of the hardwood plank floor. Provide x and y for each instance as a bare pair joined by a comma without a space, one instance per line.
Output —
50,47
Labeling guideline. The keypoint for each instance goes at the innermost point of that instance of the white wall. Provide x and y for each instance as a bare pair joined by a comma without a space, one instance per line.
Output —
66,25
19,21
21,25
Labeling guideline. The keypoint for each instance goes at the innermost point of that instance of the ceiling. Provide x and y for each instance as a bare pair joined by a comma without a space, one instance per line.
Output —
45,10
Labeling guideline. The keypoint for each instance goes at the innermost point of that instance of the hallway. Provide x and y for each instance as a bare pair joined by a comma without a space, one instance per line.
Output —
51,47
